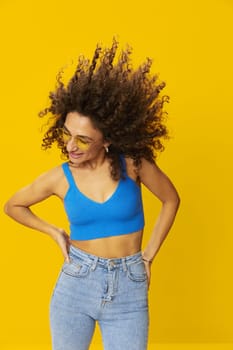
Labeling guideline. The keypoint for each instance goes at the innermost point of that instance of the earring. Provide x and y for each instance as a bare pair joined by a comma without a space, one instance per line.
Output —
106,149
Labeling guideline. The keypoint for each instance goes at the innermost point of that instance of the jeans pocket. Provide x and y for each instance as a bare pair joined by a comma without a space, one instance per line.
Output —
75,269
137,272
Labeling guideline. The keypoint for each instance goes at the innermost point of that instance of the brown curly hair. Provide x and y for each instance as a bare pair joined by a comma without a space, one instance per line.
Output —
123,103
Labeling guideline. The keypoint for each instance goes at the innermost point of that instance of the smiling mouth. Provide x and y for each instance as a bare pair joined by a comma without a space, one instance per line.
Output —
75,155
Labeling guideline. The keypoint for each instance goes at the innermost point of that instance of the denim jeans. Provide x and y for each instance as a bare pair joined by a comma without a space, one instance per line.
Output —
112,292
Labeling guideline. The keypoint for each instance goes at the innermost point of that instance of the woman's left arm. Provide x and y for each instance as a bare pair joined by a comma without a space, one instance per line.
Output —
161,186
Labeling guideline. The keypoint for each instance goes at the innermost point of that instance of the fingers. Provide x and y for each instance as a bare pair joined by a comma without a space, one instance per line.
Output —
66,248
67,259
63,240
148,281
148,273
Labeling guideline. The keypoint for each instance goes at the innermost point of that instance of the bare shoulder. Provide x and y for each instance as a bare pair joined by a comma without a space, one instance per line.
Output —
51,182
148,169
51,175
144,172
131,169
157,181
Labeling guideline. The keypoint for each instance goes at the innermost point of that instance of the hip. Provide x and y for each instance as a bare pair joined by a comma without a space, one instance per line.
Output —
91,281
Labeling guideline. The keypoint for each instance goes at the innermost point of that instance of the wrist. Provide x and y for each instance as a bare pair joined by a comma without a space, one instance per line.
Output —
149,261
55,232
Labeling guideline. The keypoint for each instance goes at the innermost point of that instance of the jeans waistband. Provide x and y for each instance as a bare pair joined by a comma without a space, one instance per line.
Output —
105,262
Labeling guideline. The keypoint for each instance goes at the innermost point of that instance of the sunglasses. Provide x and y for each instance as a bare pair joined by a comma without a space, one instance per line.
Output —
81,142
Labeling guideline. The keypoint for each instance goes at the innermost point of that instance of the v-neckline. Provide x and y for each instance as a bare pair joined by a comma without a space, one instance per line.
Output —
112,195
96,202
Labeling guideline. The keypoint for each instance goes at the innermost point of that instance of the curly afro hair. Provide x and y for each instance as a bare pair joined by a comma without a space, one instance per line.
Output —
122,102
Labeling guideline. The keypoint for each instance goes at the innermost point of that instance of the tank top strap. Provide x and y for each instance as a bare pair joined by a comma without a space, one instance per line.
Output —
123,163
68,174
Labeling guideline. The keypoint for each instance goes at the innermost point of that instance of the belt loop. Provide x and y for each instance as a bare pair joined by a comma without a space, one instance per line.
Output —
124,264
93,267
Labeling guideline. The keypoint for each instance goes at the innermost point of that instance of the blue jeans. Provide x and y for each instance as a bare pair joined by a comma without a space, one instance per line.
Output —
112,292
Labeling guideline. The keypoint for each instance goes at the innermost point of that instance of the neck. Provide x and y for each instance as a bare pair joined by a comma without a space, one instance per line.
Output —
95,163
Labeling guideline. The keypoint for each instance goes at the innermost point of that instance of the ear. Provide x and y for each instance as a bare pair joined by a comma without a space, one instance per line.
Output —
107,144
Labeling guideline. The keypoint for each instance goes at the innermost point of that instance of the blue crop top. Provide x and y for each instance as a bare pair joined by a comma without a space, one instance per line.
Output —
121,214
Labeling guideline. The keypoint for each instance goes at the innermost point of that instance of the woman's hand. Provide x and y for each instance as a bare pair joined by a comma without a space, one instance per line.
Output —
63,240
147,264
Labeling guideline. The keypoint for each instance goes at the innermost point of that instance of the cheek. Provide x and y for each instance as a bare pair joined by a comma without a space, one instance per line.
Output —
94,150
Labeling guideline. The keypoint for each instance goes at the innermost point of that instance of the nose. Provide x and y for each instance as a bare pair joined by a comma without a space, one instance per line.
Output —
71,145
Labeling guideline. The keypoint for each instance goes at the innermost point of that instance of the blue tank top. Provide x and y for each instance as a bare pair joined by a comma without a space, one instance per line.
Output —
121,214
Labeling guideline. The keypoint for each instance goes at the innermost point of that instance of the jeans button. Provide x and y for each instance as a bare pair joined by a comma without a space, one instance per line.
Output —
111,263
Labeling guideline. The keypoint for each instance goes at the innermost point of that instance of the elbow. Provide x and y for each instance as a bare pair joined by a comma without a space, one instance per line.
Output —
176,200
172,200
177,203
6,208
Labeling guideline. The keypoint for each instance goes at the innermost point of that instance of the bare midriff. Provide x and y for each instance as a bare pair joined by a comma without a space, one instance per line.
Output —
112,247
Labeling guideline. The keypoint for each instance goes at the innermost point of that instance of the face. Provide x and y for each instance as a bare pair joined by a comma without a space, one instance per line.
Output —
83,141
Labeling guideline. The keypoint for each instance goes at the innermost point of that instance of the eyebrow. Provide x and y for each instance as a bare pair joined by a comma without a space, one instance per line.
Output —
81,136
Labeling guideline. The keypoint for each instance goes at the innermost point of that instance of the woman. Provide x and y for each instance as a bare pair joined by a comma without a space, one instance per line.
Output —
107,121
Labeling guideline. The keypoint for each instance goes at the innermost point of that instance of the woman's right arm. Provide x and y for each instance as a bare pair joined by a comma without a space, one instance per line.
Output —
18,207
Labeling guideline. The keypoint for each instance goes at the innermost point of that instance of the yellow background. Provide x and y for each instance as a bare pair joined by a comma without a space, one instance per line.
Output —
191,44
